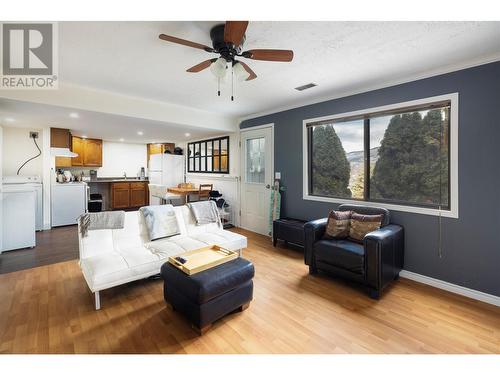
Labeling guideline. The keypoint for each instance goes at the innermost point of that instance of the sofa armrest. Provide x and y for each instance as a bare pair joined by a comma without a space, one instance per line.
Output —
384,252
313,231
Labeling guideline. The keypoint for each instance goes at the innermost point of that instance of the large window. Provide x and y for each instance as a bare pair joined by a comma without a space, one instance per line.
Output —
209,156
398,156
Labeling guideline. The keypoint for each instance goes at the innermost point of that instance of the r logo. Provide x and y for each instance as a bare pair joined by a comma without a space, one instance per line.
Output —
27,49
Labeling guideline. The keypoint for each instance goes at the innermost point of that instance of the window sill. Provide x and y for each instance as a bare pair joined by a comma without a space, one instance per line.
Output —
395,207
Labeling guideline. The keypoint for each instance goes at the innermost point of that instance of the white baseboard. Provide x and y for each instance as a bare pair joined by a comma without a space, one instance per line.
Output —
457,289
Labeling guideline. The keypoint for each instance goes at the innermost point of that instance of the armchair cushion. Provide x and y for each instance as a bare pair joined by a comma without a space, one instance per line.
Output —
338,224
367,210
361,225
341,253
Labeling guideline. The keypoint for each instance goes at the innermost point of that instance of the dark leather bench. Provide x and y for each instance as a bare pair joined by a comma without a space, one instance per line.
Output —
209,295
289,230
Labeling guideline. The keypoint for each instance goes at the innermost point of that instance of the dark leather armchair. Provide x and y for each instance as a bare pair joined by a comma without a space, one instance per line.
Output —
375,263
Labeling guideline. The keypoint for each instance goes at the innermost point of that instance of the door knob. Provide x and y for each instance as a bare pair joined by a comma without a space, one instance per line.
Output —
268,186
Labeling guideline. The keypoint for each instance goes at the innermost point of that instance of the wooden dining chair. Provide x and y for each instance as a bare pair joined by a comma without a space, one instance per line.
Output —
204,191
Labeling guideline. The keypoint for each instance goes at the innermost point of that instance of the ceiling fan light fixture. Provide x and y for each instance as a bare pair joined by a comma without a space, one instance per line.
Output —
240,72
218,68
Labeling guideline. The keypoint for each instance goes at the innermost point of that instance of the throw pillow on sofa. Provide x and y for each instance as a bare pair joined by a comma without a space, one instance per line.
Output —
160,221
338,224
361,225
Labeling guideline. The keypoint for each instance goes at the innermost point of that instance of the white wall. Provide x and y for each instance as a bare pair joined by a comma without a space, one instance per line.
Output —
118,157
17,147
122,157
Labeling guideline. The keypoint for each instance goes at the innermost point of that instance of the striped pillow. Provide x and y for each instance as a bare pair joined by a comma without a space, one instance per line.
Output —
361,225
338,224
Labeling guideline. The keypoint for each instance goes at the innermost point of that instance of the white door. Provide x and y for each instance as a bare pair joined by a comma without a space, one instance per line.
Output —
256,178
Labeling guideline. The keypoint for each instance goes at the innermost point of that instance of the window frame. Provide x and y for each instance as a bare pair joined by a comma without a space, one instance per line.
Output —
205,143
451,211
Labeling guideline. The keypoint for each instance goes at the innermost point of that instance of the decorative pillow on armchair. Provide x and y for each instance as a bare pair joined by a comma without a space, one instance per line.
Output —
338,224
361,225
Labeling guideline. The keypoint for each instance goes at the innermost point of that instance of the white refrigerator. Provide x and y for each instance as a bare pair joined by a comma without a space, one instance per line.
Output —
166,170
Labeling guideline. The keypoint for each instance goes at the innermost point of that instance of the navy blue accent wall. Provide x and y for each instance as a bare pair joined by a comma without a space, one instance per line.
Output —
471,243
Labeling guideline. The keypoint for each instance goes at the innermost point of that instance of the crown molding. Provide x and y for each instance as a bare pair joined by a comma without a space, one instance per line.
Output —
381,85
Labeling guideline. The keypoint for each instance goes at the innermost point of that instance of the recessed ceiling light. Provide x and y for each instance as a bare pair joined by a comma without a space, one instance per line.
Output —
121,139
74,115
140,133
9,119
187,134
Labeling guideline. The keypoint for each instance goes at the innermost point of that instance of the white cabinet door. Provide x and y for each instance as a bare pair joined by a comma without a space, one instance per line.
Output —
256,179
68,203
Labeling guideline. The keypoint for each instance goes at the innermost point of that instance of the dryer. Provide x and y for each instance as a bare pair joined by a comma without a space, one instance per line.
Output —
35,183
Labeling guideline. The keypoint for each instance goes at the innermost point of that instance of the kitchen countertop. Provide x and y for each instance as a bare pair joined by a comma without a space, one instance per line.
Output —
111,179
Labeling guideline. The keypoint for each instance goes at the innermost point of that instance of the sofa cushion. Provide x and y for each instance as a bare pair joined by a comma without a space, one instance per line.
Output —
341,253
209,284
97,242
190,223
223,238
105,269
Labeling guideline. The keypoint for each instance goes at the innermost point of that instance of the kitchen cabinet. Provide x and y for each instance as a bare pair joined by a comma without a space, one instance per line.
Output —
92,152
77,147
120,195
89,150
61,138
129,194
138,194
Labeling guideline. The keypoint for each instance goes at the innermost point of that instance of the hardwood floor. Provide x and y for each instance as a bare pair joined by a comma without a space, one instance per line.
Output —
50,310
52,246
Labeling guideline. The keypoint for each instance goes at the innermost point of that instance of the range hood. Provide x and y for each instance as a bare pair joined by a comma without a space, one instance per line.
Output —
63,152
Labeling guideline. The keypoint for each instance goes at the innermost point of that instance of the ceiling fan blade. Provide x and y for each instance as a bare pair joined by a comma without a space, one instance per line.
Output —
199,67
234,31
250,71
185,42
269,54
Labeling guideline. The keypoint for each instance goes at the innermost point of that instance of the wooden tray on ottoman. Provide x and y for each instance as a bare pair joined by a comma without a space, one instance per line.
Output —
202,259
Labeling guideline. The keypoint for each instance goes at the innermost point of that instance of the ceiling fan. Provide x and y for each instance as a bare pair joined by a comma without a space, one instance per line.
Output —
227,41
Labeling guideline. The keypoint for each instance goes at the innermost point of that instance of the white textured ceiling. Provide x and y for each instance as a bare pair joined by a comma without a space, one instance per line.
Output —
110,127
128,58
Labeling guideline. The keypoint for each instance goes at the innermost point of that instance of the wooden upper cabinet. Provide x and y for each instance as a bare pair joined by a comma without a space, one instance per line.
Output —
92,152
89,150
77,147
61,138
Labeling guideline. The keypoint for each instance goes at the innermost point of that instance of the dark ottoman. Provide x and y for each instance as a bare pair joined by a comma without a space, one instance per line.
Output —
209,295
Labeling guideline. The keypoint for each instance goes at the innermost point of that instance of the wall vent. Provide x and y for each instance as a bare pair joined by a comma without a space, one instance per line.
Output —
305,87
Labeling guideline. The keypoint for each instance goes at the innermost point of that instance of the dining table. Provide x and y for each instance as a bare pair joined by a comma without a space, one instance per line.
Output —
184,192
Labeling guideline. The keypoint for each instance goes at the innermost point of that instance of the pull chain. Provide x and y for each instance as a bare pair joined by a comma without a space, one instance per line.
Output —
232,85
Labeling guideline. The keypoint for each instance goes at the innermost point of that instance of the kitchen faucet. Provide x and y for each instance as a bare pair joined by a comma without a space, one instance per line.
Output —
125,175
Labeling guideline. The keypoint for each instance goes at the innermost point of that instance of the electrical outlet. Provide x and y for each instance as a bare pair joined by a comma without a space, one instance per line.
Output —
33,134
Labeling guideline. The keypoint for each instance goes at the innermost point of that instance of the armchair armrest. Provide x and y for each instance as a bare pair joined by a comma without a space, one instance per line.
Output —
313,231
384,251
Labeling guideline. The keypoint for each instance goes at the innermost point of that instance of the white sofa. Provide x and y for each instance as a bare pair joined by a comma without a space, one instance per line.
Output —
111,257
